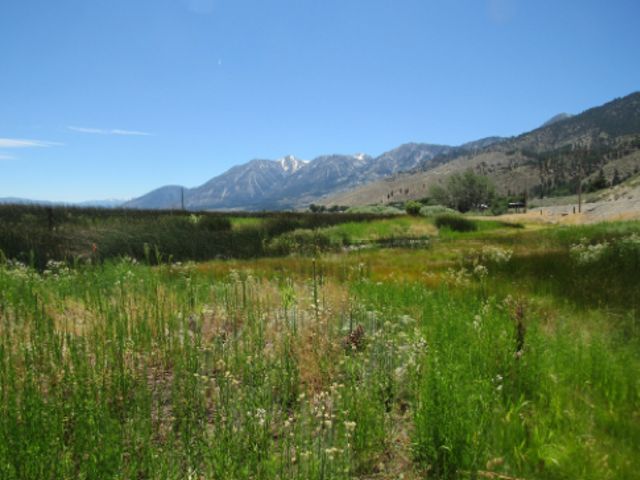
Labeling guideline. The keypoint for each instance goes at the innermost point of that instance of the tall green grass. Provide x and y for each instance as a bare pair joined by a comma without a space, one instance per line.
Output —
127,370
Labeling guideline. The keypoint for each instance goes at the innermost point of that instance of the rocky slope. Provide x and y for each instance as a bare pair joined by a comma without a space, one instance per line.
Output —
290,182
546,161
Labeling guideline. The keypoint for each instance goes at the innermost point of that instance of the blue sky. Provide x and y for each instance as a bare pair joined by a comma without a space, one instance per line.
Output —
112,98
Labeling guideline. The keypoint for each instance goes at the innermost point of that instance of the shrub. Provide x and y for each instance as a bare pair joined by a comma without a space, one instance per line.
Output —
455,223
464,191
212,223
305,242
500,206
375,209
434,210
412,208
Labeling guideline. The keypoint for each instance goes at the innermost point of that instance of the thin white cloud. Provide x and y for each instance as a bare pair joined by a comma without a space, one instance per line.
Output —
117,131
88,130
6,157
24,143
110,131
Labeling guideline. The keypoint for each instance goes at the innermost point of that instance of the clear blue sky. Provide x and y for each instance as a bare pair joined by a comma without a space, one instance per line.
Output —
112,98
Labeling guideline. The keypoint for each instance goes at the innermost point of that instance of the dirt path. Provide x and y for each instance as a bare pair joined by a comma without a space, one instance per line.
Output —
620,204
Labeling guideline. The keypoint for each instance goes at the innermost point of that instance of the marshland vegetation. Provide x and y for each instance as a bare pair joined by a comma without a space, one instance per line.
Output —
493,351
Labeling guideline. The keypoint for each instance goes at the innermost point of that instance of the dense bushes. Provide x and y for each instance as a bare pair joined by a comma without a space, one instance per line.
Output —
376,209
434,210
307,242
464,191
213,223
592,265
412,208
455,223
31,244
177,237
36,234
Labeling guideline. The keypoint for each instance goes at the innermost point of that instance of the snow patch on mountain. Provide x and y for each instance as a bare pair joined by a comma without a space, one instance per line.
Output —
291,164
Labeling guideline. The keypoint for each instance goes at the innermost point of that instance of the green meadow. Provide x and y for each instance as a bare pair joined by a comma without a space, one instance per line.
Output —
503,352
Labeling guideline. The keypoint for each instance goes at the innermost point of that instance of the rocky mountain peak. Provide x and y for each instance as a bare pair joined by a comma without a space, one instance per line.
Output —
290,163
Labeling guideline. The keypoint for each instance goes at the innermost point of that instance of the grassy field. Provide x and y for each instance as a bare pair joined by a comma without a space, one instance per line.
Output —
496,353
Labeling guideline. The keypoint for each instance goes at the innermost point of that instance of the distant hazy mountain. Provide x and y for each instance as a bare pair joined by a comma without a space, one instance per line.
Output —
23,201
482,143
406,158
323,175
109,203
289,181
169,196
556,118
450,153
244,186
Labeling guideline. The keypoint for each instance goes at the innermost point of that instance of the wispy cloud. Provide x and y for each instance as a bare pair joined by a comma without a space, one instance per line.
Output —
110,131
24,143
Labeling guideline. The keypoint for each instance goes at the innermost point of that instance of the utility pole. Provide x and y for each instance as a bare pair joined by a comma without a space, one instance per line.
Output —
50,218
182,197
580,175
580,189
575,152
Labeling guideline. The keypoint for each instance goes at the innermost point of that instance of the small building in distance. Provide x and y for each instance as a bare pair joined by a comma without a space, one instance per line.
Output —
517,206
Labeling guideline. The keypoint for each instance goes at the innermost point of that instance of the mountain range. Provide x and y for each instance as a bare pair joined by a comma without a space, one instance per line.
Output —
547,161
290,182
606,137
541,162
108,203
